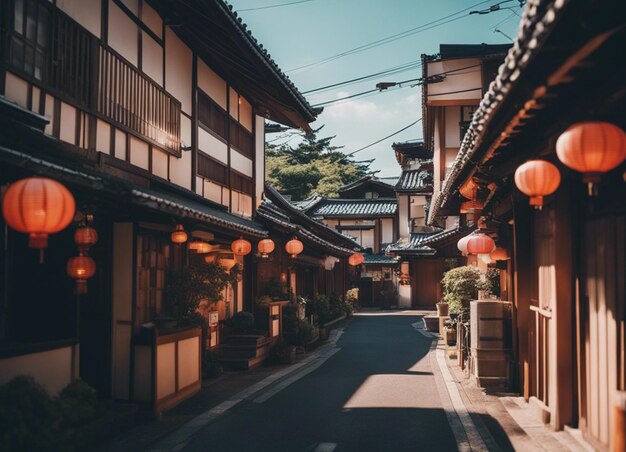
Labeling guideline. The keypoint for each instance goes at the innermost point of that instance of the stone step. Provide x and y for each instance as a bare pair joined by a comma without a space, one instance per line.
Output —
242,363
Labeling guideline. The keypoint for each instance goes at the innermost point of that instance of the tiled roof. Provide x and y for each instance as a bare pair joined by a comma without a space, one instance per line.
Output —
420,180
538,19
379,207
306,204
426,243
380,259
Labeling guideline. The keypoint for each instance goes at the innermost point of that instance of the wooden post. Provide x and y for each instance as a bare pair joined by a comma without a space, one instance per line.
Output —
619,422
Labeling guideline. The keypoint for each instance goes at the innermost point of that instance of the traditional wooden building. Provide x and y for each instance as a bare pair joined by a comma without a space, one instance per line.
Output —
366,211
566,271
151,113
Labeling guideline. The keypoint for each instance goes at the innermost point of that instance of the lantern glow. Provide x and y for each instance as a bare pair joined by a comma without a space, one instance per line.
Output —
592,148
471,206
179,235
536,179
294,247
480,244
462,244
265,247
201,247
469,189
499,254
38,206
356,259
241,247
85,237
81,268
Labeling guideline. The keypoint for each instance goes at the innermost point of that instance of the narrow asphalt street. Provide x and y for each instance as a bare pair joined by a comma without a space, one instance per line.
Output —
377,392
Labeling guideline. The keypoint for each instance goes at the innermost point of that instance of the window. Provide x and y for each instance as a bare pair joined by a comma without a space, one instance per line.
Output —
241,139
29,38
467,112
153,254
241,183
371,195
212,115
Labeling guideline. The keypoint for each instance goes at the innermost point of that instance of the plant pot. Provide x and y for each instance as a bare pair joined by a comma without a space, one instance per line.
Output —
442,309
450,336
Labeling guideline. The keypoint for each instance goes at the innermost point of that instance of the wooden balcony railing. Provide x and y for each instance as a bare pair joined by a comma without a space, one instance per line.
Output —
48,48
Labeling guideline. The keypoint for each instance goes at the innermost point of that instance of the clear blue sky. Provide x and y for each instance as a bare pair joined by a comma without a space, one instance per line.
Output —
307,32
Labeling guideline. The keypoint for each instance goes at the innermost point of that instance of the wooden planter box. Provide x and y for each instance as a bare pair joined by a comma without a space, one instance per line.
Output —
168,366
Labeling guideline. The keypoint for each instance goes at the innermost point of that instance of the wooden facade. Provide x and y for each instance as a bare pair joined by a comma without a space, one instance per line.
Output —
567,275
147,127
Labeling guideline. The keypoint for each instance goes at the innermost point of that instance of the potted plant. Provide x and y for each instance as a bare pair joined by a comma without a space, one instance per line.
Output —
461,285
186,289
442,309
284,353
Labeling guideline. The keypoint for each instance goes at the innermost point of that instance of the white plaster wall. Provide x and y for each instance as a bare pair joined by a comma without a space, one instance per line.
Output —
152,19
241,163
185,131
132,5
120,144
210,145
86,12
233,100
259,140
49,113
165,370
68,123
180,170
188,365
452,129
455,81
178,65
387,230
212,191
159,162
367,238
139,153
212,84
51,368
437,163
16,89
152,58
403,216
404,294
245,114
122,33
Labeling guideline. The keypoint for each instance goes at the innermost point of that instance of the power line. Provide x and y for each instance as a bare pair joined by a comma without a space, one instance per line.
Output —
383,139
419,80
393,70
391,38
278,5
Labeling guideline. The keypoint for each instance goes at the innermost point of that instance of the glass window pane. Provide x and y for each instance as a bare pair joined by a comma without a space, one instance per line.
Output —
18,23
29,60
31,21
17,53
42,30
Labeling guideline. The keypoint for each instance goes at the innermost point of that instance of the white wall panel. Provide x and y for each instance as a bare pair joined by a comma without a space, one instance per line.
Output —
16,89
152,19
233,100
120,144
122,33
68,123
178,65
159,162
212,84
241,163
387,230
259,143
103,137
86,12
212,146
245,114
180,170
212,191
152,58
139,153
453,130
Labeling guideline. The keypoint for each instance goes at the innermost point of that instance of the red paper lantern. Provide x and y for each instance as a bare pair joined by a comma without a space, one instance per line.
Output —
294,247
38,206
592,148
356,259
265,247
241,247
500,254
179,235
480,244
85,237
81,268
537,178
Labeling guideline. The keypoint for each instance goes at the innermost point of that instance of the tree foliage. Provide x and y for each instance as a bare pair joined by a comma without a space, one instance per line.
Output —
313,166
461,285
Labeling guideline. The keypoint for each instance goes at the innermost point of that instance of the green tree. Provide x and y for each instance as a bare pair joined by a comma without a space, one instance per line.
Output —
313,166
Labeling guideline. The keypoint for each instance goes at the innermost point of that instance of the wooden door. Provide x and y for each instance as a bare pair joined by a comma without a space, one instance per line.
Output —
603,318
426,276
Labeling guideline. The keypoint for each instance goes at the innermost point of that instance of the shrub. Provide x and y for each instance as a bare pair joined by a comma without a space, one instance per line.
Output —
78,403
242,321
282,352
29,420
461,285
